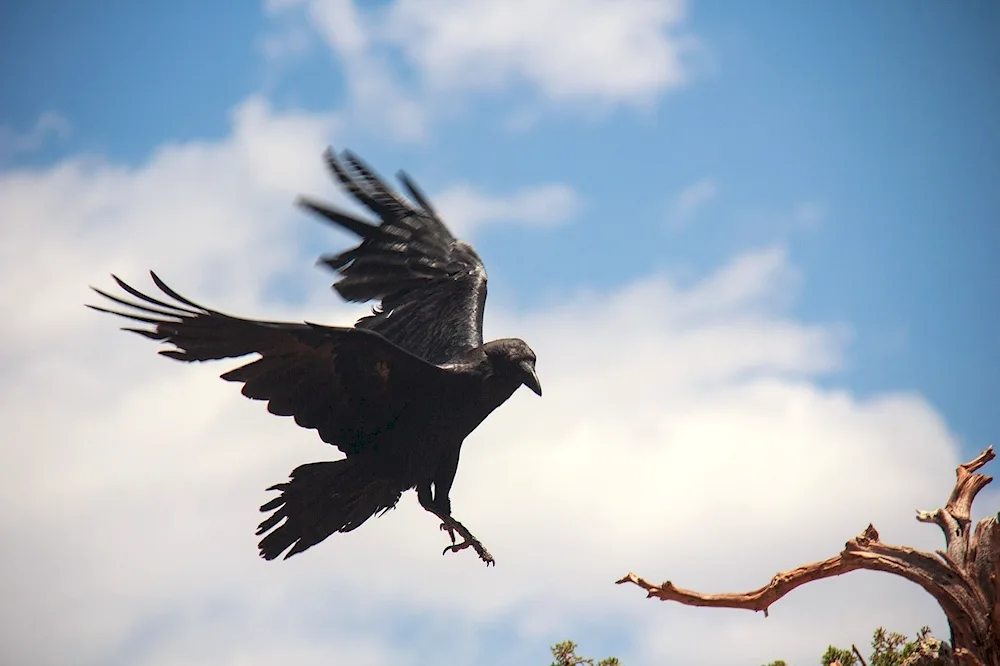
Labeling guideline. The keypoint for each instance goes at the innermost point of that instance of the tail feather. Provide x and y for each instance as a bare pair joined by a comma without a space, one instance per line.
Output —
319,499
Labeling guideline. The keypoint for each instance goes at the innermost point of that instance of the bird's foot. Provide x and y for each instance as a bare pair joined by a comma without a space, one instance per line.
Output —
451,526
445,527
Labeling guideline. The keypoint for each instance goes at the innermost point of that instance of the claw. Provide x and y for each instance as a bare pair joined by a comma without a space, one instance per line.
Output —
445,527
455,547
450,525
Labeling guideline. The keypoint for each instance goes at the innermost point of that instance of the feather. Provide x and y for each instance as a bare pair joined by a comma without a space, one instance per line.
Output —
431,287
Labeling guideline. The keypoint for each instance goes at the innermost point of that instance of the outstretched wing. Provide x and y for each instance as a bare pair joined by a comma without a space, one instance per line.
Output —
432,286
353,386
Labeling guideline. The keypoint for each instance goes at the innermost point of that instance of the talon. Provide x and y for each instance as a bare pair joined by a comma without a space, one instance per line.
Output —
451,526
445,527
455,547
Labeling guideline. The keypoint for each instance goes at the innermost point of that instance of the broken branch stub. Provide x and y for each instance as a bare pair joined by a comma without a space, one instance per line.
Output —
964,579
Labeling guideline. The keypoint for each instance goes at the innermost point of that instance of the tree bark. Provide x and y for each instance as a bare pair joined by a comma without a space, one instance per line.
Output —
964,578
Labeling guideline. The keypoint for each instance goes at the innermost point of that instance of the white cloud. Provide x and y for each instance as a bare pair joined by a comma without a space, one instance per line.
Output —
464,207
408,62
191,204
682,434
690,201
340,23
49,124
590,50
377,96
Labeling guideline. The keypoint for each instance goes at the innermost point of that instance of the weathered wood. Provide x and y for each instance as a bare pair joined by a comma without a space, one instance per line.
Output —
964,578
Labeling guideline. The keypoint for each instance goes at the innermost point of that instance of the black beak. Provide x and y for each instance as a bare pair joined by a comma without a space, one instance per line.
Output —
531,377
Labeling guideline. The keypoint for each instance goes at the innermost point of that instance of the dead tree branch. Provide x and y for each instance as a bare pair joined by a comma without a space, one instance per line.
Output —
964,578
857,652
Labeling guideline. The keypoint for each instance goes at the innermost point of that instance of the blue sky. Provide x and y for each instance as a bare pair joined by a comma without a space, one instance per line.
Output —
856,143
882,116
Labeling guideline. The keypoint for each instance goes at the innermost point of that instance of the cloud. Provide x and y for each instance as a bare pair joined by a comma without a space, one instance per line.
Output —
464,207
686,432
407,63
49,124
690,201
378,97
595,50
189,204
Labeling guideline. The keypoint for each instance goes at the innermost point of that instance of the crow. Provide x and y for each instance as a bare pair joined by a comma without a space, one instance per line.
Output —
397,393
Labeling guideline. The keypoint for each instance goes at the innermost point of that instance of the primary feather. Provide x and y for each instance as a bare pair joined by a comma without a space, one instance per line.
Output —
431,286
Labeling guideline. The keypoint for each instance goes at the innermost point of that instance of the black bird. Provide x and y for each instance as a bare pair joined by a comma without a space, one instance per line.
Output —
398,393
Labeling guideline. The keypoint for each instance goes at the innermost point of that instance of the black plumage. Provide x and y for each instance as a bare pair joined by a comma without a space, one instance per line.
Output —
398,393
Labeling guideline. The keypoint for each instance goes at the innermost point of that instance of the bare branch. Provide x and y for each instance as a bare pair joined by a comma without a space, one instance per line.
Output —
968,485
965,580
949,526
979,461
858,653
761,598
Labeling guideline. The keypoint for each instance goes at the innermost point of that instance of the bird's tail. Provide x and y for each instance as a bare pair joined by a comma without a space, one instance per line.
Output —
322,498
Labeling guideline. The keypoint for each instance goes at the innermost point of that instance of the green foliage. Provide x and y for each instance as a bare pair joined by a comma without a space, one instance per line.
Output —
888,649
891,649
565,655
845,657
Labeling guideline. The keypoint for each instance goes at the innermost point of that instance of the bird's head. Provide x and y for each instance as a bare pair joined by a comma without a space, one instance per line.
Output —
514,358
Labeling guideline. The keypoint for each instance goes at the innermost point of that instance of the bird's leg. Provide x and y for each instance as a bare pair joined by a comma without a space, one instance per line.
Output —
450,525
441,507
445,527
425,497
426,500
444,477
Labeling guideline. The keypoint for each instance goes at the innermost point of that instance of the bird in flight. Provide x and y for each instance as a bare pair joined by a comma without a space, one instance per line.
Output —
397,393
